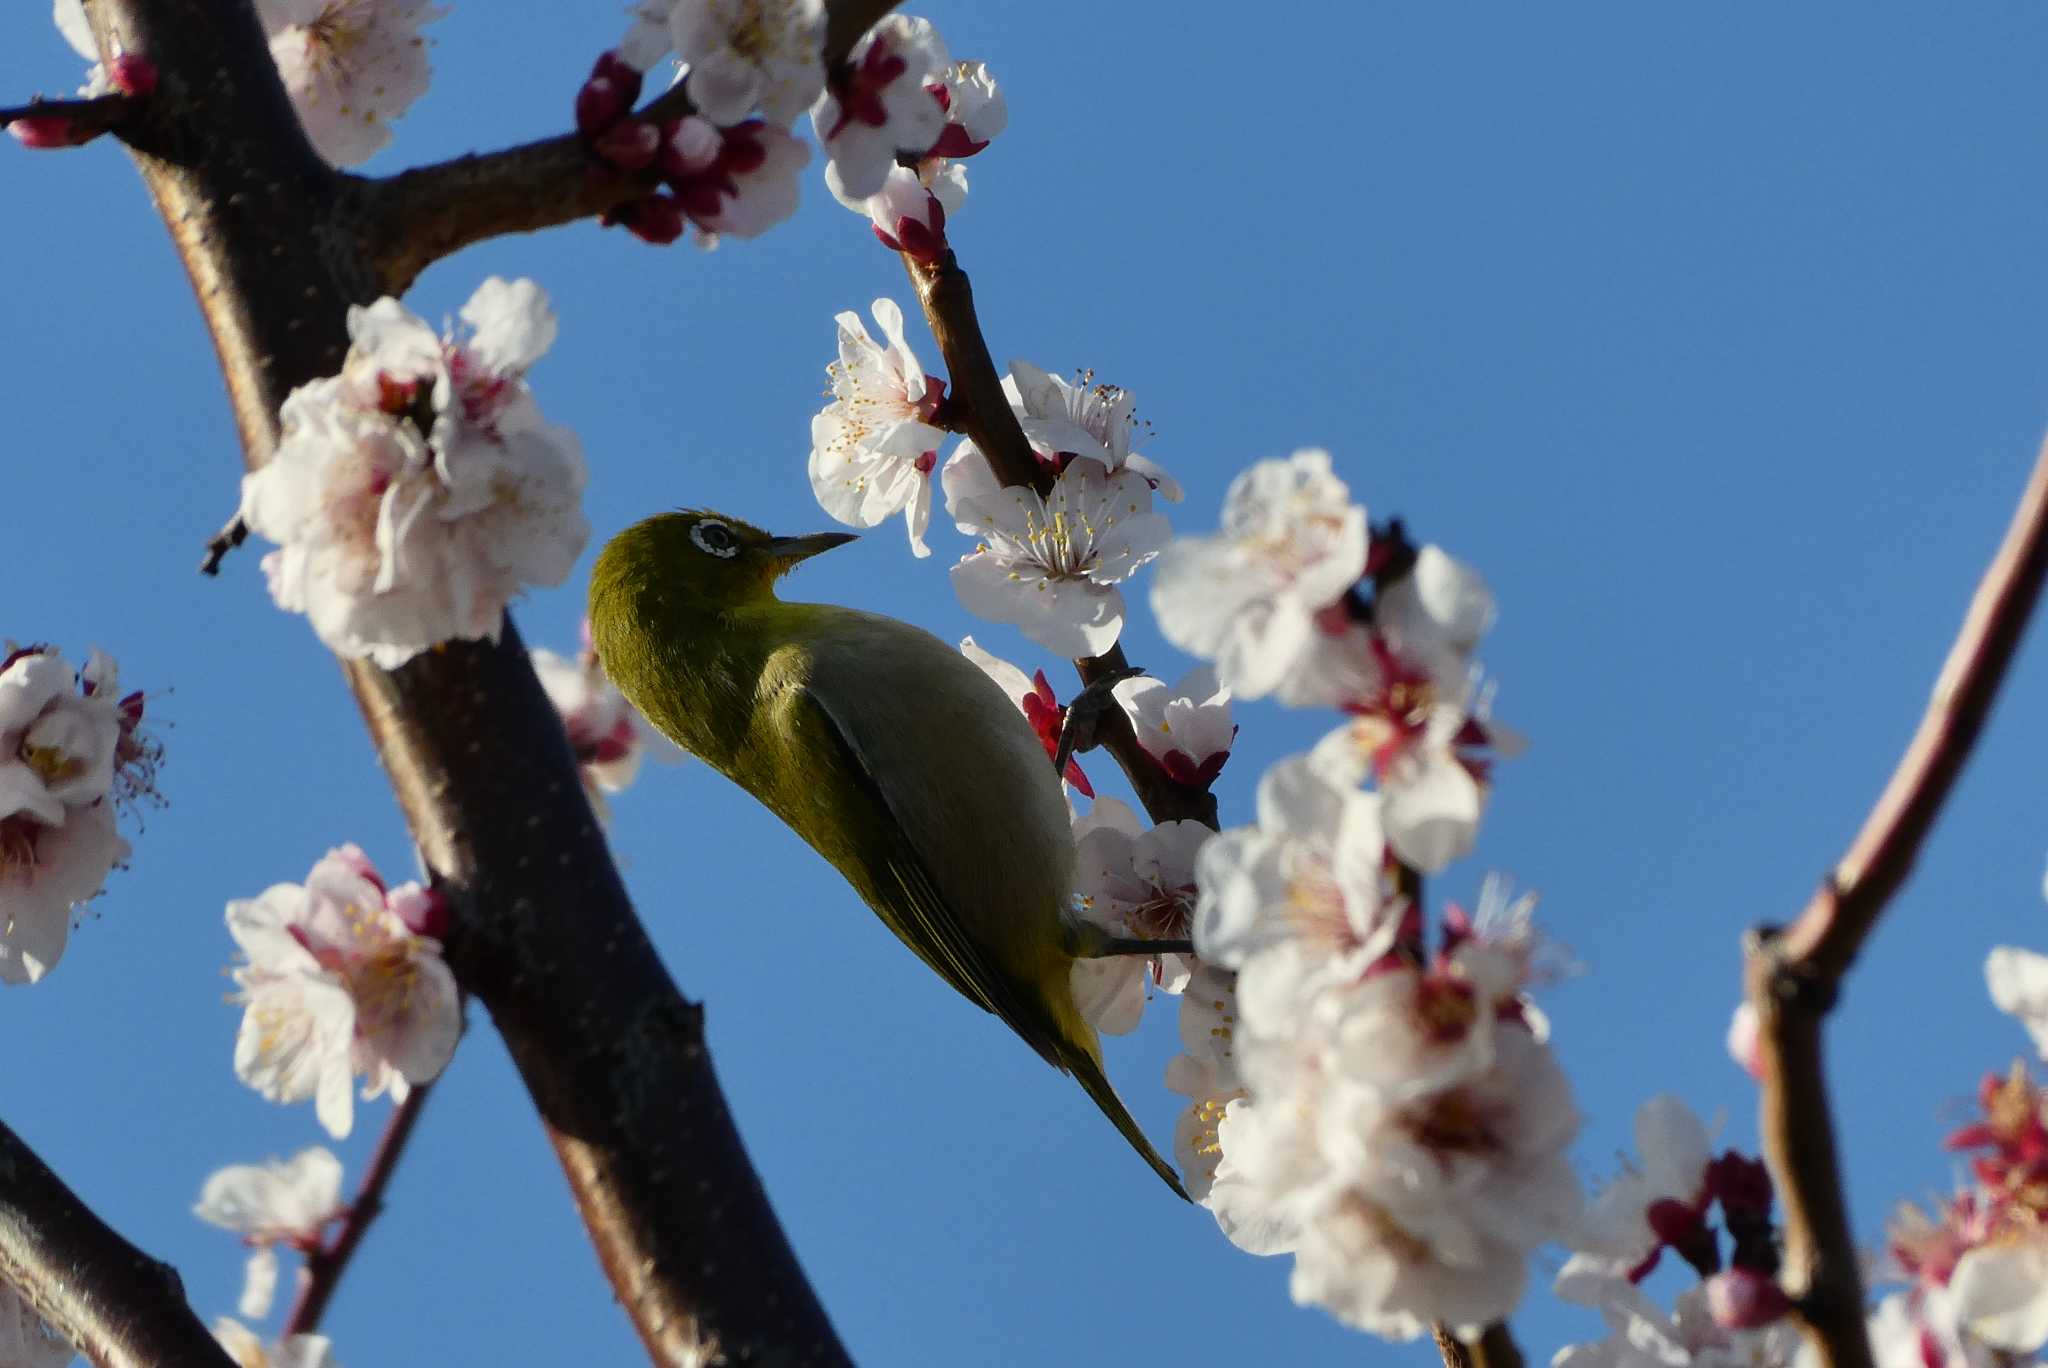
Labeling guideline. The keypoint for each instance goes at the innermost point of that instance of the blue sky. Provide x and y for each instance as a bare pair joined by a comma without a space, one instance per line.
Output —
1713,337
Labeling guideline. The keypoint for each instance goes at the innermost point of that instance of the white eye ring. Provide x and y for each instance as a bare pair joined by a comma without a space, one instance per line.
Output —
715,537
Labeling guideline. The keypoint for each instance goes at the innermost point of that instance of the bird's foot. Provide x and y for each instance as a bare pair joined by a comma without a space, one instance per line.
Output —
1081,728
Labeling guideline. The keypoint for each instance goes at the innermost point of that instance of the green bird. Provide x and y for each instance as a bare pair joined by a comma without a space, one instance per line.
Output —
890,752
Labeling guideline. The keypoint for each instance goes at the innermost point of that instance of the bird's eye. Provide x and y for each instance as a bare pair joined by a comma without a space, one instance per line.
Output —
715,537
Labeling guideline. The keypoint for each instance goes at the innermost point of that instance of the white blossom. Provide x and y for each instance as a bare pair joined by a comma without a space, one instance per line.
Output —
2018,980
1051,565
280,1202
1135,884
72,23
1311,872
350,67
741,55
60,739
1185,727
1292,545
26,1339
976,111
757,182
1041,707
1065,421
2000,1291
248,1350
1673,1146
873,448
879,106
1643,1335
416,492
336,983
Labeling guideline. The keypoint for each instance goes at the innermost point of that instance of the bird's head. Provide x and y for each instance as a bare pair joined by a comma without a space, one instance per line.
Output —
695,553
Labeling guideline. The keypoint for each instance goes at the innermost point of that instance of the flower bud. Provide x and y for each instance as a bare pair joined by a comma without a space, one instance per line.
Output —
1743,1299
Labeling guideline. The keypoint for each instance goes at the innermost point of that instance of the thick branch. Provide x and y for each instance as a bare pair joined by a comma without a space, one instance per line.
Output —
1793,976
121,1308
417,217
324,1266
543,934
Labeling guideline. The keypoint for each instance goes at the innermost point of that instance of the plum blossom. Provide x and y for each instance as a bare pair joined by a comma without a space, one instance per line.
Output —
1419,724
881,103
738,55
350,67
1661,1201
908,213
63,770
1185,728
1135,884
281,1202
1065,421
1310,874
342,978
248,1350
610,738
749,187
416,492
26,1339
976,111
1040,705
1643,1335
1292,545
2018,980
1051,565
873,448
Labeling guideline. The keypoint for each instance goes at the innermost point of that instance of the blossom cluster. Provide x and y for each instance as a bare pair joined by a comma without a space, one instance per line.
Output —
72,751
416,492
349,66
894,119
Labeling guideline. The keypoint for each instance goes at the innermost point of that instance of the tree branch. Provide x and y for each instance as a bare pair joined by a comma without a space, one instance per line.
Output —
86,118
118,1306
1793,976
324,1266
982,411
543,933
415,218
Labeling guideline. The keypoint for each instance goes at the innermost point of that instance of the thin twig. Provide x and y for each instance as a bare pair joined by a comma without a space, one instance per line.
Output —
1793,976
118,1306
232,535
417,217
87,118
325,1265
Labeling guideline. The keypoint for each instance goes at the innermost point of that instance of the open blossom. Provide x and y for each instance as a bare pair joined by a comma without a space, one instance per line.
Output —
416,492
739,55
350,67
62,772
1186,727
880,104
1643,1335
26,1339
1051,565
338,980
610,738
873,448
1419,724
1312,871
976,111
1066,421
1292,545
1134,884
1659,1200
751,185
282,1202
1988,1249
248,1350
1040,705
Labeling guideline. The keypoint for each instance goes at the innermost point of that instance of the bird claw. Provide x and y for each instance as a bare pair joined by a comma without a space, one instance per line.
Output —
1080,731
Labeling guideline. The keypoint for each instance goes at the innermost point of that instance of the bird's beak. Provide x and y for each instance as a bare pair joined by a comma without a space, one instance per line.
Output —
790,550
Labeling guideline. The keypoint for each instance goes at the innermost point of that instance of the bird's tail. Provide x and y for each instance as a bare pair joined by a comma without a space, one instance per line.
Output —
1088,1071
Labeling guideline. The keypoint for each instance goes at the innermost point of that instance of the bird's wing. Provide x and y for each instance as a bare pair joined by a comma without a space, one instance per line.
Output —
909,900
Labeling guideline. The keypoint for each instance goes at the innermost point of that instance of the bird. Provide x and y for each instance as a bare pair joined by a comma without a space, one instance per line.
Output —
890,752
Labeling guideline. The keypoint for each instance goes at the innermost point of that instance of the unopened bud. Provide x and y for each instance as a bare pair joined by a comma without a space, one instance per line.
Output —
654,218
44,131
423,910
1745,1045
132,74
628,145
